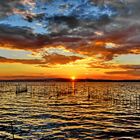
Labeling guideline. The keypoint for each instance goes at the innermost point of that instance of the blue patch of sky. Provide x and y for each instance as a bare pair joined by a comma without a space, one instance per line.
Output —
80,9
18,21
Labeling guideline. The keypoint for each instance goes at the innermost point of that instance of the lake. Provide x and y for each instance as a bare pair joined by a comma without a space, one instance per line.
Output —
70,110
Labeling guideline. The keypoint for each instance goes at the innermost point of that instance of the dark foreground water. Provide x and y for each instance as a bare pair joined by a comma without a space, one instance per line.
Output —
70,111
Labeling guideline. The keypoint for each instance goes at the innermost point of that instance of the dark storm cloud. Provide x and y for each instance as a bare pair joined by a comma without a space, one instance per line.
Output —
20,38
126,41
9,7
6,7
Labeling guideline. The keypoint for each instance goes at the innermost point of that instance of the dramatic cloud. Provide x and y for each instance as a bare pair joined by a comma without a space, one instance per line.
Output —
60,59
47,59
6,7
134,67
9,7
113,66
14,37
22,61
126,72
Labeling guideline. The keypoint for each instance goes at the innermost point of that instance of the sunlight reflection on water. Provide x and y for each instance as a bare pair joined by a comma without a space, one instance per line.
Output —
70,111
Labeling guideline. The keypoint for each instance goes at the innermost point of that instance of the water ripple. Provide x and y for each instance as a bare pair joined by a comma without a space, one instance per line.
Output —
109,111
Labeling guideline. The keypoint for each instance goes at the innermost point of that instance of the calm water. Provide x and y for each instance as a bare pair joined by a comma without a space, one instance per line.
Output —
70,111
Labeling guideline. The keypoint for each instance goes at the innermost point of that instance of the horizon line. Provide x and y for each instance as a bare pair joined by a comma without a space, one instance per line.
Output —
66,79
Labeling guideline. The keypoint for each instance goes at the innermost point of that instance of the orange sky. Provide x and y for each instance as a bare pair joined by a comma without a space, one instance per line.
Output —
51,39
63,66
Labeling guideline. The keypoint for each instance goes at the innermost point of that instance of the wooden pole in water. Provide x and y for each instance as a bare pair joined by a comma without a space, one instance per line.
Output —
12,129
16,89
88,93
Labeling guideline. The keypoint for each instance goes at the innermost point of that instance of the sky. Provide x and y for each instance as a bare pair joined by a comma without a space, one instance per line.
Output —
98,39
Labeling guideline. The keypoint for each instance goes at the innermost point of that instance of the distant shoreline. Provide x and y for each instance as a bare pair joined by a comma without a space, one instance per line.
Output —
66,80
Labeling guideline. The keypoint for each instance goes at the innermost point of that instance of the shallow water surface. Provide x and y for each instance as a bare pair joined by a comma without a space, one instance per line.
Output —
70,111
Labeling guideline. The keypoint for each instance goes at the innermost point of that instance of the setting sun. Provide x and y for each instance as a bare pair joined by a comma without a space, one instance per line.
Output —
73,78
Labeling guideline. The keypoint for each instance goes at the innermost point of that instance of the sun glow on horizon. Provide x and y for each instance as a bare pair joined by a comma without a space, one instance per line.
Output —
73,78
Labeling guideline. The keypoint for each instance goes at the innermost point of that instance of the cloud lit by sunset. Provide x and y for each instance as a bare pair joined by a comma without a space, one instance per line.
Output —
61,38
